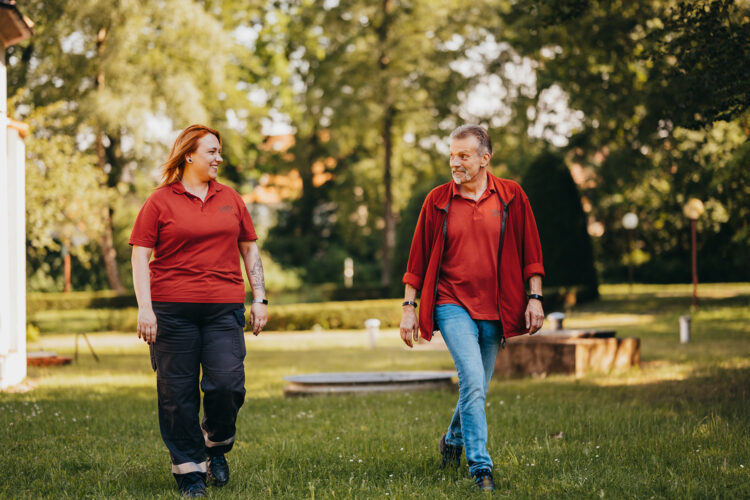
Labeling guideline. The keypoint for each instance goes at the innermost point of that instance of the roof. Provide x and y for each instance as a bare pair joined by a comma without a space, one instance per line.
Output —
14,26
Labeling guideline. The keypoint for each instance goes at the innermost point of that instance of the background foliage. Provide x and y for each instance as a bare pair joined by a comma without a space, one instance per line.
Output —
645,101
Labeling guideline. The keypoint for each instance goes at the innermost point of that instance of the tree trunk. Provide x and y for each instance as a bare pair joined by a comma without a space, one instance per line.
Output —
110,254
66,265
389,111
389,231
107,241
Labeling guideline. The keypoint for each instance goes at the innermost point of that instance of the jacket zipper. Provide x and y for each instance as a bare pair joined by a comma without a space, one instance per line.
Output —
437,273
499,258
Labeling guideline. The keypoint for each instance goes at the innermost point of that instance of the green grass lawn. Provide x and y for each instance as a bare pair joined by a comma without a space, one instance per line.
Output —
677,427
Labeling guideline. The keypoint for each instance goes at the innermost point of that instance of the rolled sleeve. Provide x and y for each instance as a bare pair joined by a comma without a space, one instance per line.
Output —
532,262
531,269
413,280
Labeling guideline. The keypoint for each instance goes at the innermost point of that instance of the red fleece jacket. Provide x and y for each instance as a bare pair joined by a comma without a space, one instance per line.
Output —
519,257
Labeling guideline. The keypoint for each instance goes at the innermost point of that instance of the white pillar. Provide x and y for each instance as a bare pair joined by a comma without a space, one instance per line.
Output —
12,246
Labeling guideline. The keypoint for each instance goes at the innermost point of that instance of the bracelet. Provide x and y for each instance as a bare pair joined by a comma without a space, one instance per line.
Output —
409,303
260,301
536,296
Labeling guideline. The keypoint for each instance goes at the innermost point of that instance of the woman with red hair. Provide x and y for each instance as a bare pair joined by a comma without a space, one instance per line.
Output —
191,308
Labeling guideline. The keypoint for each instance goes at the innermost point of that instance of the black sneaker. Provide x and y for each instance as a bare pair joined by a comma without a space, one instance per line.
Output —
218,470
484,480
197,489
451,453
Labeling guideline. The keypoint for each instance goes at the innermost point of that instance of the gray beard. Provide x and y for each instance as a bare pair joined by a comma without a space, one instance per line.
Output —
467,177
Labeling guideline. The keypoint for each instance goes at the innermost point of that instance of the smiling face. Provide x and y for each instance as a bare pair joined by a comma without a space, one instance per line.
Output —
205,159
466,161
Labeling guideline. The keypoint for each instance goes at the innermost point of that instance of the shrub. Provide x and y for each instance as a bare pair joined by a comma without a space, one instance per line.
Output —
566,244
334,315
32,333
106,299
329,315
85,320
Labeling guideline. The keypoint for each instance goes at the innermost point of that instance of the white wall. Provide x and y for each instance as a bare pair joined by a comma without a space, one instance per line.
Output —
12,246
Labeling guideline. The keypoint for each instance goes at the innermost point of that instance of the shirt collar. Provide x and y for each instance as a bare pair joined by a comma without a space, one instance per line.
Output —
455,191
178,188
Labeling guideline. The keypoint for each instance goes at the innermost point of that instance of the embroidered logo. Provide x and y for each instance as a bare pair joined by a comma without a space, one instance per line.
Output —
225,208
497,212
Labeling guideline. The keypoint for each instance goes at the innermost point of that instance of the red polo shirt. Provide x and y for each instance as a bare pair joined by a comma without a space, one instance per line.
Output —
196,253
468,272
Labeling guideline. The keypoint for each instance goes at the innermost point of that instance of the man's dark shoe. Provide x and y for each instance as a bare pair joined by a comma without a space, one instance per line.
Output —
451,453
197,489
218,470
484,480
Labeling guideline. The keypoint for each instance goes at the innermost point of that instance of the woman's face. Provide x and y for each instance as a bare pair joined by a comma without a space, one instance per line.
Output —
204,161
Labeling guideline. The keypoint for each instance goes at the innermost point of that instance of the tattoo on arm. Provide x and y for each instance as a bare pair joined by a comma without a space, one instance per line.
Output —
256,276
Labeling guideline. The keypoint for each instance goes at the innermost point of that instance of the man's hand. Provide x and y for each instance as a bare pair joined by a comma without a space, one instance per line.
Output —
534,316
146,325
409,326
258,317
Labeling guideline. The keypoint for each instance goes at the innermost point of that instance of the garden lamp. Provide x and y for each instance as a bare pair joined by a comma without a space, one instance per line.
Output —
693,209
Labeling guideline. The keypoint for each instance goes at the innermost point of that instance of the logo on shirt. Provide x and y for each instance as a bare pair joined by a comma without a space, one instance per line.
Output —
225,208
497,212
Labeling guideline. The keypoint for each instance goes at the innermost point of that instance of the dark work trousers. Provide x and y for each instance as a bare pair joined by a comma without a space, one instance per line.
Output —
191,336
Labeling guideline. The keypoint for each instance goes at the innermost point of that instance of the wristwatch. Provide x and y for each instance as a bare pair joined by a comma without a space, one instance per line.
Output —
409,303
260,301
536,296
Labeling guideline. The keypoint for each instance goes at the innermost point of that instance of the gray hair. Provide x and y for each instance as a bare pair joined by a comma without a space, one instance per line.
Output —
485,143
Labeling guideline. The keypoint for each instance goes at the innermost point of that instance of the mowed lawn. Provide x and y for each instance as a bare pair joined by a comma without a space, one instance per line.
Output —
677,427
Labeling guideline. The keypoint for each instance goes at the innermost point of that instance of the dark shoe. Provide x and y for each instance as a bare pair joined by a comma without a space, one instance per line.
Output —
484,480
451,453
218,470
194,490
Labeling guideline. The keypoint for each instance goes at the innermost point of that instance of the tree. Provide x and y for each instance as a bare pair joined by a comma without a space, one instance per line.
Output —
566,244
123,72
371,86
653,80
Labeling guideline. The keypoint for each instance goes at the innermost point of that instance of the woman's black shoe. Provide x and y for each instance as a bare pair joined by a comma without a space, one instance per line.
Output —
451,453
484,480
218,470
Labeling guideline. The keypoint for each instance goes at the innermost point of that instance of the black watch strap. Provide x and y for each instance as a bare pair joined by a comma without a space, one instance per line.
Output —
536,296
409,303
260,301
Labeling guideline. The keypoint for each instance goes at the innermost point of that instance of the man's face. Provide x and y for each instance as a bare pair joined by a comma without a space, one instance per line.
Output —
466,161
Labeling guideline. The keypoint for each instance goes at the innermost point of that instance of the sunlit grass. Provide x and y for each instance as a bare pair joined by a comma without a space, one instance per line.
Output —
674,427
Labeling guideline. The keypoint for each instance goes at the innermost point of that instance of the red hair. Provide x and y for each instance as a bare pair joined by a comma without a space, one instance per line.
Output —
186,143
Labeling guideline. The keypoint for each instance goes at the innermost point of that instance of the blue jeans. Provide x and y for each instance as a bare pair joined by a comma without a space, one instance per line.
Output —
473,344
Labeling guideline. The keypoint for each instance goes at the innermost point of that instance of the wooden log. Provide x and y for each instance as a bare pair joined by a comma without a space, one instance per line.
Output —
542,355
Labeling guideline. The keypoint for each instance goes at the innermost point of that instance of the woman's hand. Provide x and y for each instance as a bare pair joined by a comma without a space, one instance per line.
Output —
147,325
258,317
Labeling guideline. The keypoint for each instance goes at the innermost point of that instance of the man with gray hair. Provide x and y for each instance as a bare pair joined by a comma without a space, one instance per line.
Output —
474,249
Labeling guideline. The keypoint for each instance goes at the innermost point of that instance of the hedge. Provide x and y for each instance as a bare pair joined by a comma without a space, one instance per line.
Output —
348,315
78,300
334,315
328,315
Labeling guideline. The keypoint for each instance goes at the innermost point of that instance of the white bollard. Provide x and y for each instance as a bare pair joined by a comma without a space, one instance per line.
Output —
373,326
684,329
556,318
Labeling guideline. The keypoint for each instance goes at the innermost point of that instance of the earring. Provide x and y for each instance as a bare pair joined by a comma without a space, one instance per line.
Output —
190,160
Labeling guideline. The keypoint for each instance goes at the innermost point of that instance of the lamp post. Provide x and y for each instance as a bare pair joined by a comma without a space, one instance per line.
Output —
630,222
348,272
693,209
